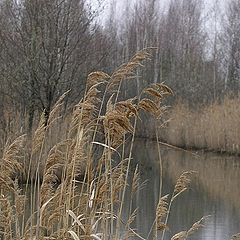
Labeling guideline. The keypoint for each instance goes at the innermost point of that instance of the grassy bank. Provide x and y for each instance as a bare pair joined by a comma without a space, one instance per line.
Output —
215,127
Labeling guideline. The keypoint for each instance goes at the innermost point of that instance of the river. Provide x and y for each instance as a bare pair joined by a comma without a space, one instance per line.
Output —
214,191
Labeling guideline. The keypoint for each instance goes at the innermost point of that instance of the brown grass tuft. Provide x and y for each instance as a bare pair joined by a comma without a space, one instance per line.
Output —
161,213
182,183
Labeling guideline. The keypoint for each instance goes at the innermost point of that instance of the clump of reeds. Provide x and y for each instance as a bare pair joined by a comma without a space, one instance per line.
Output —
213,127
78,194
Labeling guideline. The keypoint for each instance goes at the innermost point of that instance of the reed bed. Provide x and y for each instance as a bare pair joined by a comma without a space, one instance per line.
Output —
224,171
78,185
214,127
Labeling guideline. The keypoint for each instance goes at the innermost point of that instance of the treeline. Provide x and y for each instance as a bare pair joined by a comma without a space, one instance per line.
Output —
50,46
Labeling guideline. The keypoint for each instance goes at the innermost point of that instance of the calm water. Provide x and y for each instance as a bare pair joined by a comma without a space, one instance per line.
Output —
214,191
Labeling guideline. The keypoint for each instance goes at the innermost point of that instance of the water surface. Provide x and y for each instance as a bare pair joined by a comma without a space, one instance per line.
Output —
214,191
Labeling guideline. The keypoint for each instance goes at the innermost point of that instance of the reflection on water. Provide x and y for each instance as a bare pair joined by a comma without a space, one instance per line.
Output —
215,191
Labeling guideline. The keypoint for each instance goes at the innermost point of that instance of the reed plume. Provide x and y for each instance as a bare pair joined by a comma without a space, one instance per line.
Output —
161,213
185,234
182,184
127,70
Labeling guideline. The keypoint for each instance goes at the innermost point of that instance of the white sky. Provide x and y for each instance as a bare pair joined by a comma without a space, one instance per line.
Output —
208,5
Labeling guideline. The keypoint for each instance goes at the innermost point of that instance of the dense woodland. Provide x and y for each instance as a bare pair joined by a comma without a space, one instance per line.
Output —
50,46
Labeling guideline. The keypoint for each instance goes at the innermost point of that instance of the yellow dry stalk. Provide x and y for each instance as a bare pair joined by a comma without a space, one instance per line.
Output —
128,106
116,124
164,88
6,217
96,78
197,225
39,134
85,111
150,106
126,71
54,113
11,162
161,213
182,183
180,236
153,92
135,181
183,235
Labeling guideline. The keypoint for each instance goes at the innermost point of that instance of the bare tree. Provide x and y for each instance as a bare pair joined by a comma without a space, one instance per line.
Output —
231,45
183,48
47,45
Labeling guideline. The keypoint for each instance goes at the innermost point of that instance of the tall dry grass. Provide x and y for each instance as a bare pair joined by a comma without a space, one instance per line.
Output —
77,189
74,195
214,127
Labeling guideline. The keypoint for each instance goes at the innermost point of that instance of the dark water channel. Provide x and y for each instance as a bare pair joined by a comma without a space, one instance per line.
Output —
214,191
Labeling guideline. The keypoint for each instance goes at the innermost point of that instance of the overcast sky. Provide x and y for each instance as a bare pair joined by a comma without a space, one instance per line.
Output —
208,5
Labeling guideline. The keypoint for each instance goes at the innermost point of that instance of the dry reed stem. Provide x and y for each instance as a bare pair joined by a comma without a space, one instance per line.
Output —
11,163
182,184
180,236
161,213
180,187
39,135
126,71
96,78
195,227
6,218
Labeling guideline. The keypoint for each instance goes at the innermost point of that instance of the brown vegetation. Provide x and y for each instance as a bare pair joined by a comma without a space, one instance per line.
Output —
214,127
63,206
